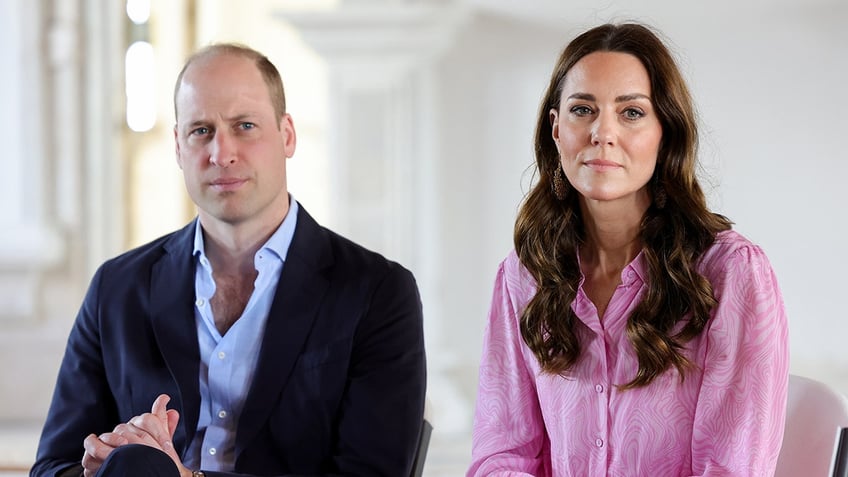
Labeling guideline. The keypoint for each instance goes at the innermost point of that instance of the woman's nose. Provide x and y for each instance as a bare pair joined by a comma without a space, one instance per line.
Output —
603,131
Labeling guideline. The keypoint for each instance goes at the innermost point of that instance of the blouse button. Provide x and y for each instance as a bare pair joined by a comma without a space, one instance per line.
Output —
599,442
599,388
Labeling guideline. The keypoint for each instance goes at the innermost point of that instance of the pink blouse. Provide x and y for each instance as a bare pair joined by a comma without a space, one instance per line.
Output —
724,419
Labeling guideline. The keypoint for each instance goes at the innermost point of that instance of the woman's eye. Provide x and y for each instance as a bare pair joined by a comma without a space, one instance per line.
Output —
632,113
581,110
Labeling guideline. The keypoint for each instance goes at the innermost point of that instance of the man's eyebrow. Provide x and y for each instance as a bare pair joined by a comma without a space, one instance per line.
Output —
196,123
240,117
230,119
620,99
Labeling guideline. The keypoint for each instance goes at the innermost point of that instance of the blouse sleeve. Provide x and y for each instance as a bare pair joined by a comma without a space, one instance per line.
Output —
741,409
508,436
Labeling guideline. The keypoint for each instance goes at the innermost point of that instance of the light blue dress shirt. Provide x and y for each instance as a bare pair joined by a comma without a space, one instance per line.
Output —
228,362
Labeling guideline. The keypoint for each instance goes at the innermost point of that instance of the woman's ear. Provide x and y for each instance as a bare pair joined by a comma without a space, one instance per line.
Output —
554,118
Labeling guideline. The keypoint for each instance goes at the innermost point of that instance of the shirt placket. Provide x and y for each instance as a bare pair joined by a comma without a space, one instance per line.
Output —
220,368
600,389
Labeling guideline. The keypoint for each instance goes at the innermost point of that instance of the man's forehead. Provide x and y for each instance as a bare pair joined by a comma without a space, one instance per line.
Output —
217,84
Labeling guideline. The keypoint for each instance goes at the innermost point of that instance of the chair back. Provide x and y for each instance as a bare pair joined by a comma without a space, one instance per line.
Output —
815,416
423,445
840,461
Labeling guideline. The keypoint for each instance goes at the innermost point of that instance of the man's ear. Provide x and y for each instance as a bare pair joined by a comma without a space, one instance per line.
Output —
289,135
177,147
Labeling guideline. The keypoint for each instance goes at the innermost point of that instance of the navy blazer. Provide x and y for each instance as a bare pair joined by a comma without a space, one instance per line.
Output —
340,379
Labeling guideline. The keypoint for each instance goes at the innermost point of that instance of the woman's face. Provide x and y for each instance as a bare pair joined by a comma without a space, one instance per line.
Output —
606,130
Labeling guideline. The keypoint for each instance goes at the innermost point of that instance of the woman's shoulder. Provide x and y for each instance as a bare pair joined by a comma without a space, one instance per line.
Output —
512,266
515,275
730,249
730,240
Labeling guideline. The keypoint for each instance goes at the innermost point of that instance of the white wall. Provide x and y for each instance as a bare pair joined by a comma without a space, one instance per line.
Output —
774,105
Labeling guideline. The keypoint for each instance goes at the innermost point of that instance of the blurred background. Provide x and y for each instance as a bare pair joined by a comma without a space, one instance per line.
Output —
415,122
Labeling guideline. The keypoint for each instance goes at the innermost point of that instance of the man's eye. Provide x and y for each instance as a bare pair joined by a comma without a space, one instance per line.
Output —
200,131
247,125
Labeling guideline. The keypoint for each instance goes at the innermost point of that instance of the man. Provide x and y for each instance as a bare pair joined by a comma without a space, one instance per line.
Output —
280,347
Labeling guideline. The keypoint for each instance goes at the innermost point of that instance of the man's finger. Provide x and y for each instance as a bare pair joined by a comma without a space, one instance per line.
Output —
113,439
173,421
96,448
160,405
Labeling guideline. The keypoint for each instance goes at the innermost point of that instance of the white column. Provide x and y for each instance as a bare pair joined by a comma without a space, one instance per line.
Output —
61,184
383,136
31,241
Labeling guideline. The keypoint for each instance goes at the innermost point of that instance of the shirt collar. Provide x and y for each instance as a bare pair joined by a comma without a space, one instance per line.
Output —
278,243
634,269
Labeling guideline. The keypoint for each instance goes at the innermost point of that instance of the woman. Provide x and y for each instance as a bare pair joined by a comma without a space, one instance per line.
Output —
632,332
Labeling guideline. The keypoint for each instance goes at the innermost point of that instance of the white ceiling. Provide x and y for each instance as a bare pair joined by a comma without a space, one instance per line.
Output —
656,12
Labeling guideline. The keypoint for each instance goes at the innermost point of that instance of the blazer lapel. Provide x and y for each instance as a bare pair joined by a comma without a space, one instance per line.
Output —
172,318
290,320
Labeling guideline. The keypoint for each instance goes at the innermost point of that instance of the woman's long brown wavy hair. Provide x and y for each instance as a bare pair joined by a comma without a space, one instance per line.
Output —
548,230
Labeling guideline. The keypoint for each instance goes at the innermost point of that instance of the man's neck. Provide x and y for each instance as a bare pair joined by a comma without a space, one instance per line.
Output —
232,247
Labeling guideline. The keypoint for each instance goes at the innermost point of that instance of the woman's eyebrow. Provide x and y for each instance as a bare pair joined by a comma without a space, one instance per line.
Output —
620,99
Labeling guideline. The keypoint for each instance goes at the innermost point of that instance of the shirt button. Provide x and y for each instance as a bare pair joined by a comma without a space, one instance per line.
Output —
222,414
200,302
599,388
222,355
598,442
212,451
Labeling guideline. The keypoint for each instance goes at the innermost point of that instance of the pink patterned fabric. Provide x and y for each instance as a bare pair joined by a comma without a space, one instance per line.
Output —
725,419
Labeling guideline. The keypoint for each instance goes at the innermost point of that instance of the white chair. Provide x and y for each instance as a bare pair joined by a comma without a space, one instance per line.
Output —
815,416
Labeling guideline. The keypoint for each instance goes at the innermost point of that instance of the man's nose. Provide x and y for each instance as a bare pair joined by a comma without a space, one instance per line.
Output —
223,150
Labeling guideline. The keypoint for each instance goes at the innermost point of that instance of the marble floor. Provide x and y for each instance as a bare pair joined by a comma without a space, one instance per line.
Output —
18,443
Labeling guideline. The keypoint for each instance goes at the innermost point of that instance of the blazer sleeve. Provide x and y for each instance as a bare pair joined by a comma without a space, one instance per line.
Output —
82,401
741,408
382,410
509,436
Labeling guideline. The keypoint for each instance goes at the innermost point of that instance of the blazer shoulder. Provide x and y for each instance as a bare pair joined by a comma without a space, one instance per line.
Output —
351,255
144,256
324,248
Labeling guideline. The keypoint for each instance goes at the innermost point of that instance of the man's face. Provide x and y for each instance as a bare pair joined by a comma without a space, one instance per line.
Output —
230,145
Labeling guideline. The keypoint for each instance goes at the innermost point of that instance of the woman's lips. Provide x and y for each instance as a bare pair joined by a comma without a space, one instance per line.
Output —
601,165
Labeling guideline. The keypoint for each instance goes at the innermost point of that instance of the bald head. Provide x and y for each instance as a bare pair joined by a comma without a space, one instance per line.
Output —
267,69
